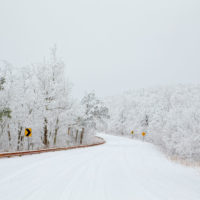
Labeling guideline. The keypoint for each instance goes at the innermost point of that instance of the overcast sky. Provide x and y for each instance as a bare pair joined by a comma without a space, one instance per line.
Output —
108,45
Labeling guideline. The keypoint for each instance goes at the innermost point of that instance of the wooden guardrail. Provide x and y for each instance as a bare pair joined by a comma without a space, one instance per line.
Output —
22,153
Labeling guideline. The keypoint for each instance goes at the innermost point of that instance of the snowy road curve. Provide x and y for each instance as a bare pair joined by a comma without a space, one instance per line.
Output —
121,169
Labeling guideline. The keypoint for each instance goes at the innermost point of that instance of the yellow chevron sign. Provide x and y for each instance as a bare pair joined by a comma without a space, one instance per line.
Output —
132,132
28,132
143,134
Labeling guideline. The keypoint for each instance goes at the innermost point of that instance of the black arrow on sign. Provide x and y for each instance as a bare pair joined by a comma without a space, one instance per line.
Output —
28,132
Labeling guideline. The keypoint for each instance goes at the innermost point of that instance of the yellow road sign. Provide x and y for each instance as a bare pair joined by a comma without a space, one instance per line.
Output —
132,132
143,134
28,132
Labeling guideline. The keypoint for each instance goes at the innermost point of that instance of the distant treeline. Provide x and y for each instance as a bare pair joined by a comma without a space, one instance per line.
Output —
169,115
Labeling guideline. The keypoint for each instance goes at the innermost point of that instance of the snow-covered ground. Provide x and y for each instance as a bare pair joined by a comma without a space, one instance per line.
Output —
121,169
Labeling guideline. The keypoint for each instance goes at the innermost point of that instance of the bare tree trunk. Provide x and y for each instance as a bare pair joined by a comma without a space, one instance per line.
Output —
68,131
56,132
82,133
19,138
76,138
45,139
21,142
9,136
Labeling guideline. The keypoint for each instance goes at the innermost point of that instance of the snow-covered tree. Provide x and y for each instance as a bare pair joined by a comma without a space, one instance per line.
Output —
94,111
38,97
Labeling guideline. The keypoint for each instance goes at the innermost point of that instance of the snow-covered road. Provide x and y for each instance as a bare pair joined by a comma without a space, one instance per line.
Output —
121,169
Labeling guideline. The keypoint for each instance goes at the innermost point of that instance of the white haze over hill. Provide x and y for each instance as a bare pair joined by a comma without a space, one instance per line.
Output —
109,45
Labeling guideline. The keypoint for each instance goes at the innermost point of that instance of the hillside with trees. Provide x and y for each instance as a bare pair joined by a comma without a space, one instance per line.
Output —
39,97
170,117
